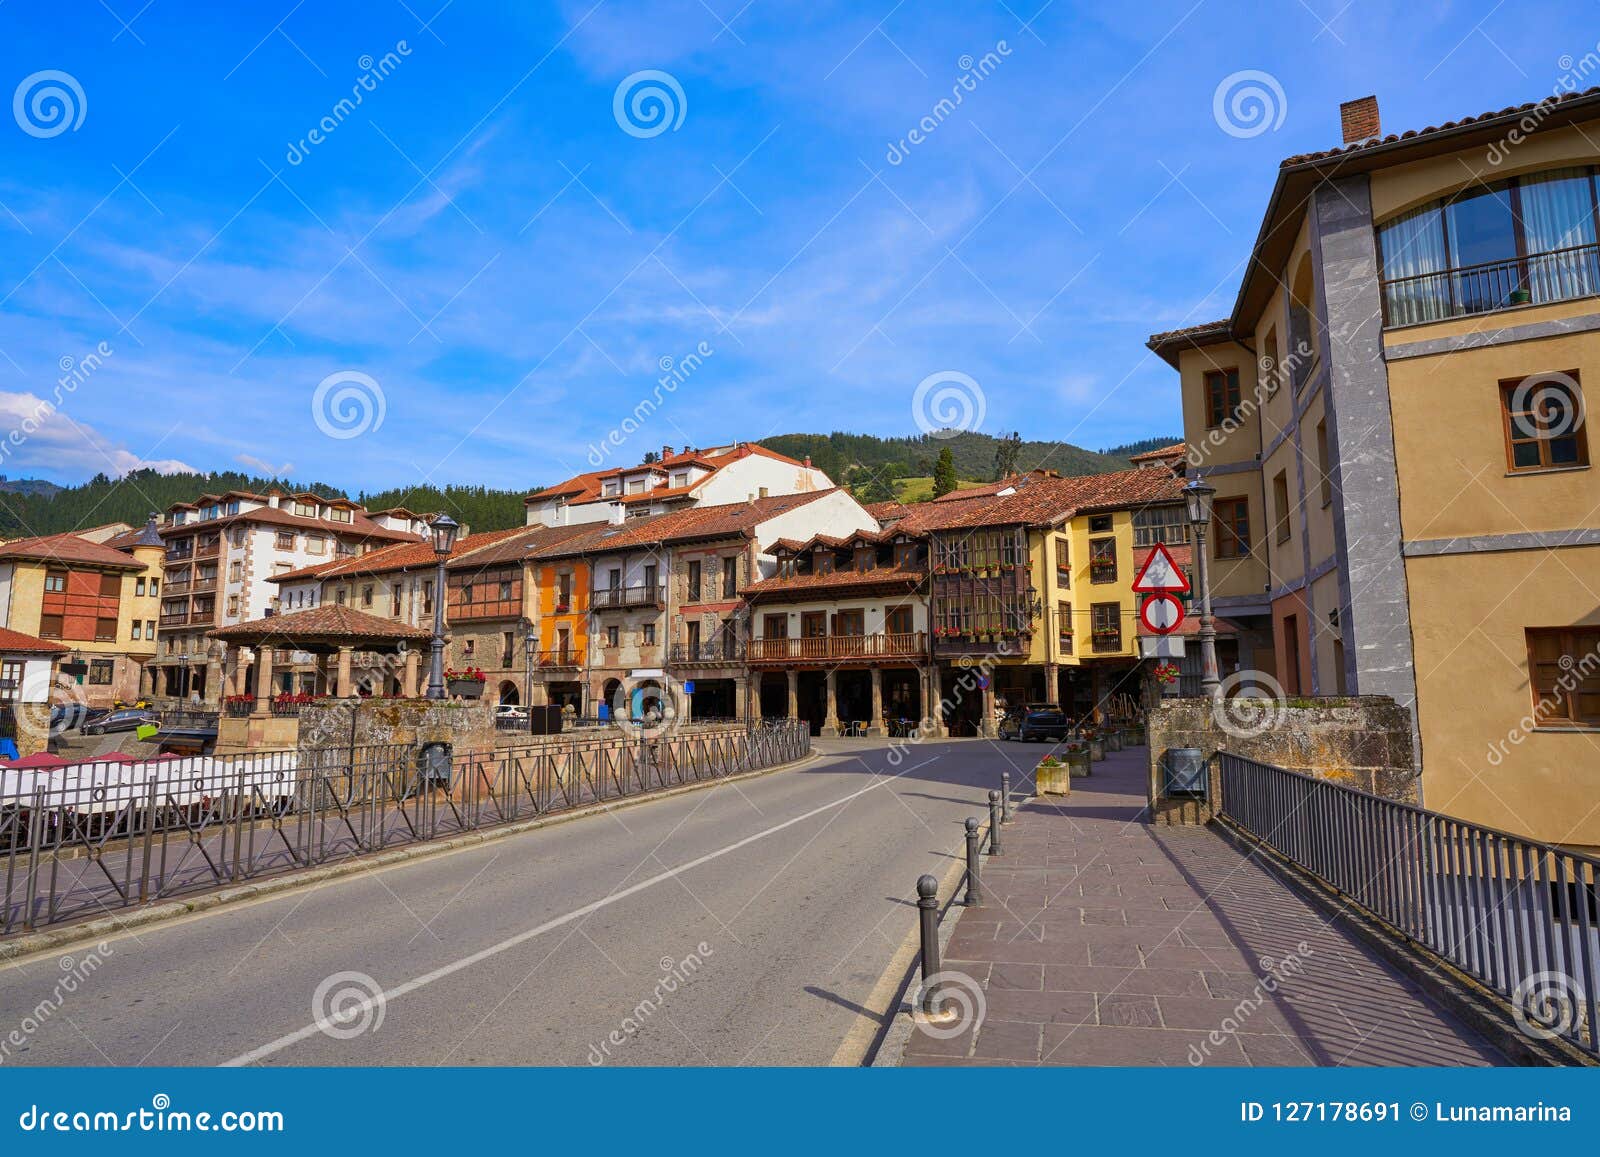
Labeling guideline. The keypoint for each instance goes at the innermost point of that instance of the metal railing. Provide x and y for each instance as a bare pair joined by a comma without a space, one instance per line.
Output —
724,649
93,838
572,657
1537,278
910,645
635,596
1516,915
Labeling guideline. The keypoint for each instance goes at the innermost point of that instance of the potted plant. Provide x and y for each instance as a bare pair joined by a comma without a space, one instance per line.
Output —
1113,738
239,705
1052,777
1078,759
1097,748
466,683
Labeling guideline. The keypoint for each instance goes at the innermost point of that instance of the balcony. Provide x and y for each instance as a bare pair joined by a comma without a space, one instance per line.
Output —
179,553
728,649
180,587
556,660
616,598
1536,279
828,648
202,585
1106,642
174,619
208,550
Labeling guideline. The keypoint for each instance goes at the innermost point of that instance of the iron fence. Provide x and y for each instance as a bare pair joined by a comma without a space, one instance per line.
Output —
92,838
1517,915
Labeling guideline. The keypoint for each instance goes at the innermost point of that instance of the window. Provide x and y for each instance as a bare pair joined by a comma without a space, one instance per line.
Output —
316,544
466,593
1064,627
100,671
55,581
1525,241
852,623
155,587
149,628
1105,621
1564,671
284,540
1100,524
305,509
1231,516
469,648
730,577
105,630
505,590
1164,524
1280,506
636,486
1269,363
1063,562
366,595
110,586
339,514
138,629
680,479
563,590
1102,560
233,606
235,572
813,624
1544,422
897,621
1222,396
138,587
652,576
338,596
1324,466
694,580
612,489
394,601
649,634
613,636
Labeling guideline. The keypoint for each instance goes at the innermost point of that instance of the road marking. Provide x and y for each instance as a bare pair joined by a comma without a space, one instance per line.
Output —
367,1003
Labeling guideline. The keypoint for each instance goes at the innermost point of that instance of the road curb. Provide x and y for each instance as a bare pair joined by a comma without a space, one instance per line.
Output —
30,944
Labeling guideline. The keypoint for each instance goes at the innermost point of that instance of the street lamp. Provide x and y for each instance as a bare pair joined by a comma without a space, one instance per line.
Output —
183,676
443,529
530,643
1198,496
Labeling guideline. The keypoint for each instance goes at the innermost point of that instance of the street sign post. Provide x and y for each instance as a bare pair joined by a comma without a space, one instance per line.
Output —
1161,614
1160,574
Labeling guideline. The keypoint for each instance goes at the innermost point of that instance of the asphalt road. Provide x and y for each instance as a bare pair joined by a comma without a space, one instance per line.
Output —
742,924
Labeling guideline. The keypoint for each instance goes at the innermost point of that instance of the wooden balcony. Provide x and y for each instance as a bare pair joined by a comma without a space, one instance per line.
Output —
836,648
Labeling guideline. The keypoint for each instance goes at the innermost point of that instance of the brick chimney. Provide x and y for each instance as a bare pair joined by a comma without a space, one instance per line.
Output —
666,452
1359,120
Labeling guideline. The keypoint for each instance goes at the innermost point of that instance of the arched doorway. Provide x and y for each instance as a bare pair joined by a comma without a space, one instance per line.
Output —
509,693
608,706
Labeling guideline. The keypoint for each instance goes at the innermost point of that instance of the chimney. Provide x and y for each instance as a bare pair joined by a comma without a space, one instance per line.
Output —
666,452
618,514
808,461
1359,120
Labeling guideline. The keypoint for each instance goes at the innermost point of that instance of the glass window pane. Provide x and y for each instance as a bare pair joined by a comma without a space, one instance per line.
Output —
1481,228
1564,451
1525,453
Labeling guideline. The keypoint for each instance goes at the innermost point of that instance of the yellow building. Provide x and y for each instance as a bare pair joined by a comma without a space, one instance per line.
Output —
97,595
1395,412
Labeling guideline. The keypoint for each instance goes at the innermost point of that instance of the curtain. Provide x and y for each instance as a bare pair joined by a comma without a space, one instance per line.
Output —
1413,247
1558,214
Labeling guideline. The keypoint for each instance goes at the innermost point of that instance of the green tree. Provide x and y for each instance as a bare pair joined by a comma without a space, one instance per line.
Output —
1006,452
944,473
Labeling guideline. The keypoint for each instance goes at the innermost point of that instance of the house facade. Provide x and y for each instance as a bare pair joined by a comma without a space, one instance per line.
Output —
1394,413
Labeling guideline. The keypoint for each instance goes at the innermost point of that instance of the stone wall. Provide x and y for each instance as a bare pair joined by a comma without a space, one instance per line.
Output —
340,723
1362,742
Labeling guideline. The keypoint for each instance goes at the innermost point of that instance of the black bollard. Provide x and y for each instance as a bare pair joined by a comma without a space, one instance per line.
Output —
994,823
928,913
974,885
1005,796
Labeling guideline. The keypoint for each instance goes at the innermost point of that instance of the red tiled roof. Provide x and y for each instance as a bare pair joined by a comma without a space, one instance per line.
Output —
1176,450
15,642
699,522
1040,501
329,621
360,527
586,487
69,549
1511,113
399,556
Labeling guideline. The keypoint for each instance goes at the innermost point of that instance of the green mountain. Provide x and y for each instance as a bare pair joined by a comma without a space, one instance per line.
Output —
1142,446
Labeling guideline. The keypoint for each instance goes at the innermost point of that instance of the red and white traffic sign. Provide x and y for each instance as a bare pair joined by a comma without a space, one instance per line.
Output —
1160,573
1161,614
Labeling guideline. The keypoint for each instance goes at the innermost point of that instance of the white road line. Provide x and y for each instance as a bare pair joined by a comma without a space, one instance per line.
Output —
368,1003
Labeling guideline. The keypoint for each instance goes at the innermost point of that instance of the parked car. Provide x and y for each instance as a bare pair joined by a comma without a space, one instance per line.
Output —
67,716
129,719
1045,723
1011,724
510,711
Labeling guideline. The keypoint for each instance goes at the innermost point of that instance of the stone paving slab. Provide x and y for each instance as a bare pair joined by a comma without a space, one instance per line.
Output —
1104,940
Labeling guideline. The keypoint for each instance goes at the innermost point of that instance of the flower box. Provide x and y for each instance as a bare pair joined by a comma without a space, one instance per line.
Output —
1052,777
1113,740
1078,761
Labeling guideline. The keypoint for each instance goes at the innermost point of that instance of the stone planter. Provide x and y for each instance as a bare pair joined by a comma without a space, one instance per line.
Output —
1052,780
1097,750
1078,762
1134,737
1113,741
466,688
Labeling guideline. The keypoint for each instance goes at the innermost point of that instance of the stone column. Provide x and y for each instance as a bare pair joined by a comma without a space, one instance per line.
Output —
875,723
341,687
408,677
1052,684
263,680
794,693
741,698
986,725
214,688
830,716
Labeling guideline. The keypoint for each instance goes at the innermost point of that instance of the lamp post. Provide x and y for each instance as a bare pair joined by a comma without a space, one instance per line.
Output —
183,677
1198,496
444,530
530,642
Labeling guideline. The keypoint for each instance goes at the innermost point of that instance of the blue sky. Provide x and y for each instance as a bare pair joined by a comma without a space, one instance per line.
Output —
482,239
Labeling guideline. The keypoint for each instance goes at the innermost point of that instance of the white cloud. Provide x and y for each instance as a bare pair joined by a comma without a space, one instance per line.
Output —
262,466
37,435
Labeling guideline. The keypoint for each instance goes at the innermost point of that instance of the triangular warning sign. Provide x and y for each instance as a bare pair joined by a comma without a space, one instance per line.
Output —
1160,572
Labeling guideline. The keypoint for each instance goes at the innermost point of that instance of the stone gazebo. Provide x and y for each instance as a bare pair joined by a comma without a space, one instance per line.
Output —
335,635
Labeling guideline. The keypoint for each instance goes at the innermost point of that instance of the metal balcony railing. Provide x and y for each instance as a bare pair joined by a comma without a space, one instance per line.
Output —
572,657
1537,278
728,649
829,647
612,598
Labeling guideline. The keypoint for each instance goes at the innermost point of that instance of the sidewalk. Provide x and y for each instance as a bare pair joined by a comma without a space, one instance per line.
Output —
1105,941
